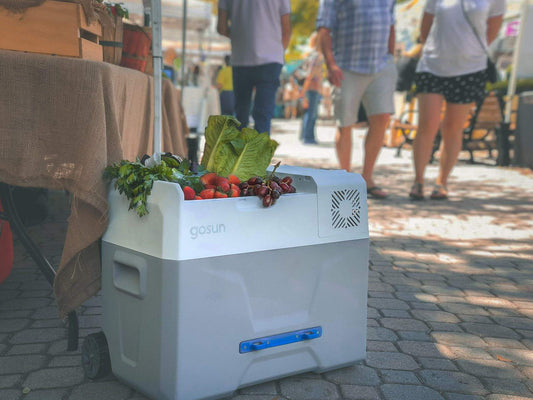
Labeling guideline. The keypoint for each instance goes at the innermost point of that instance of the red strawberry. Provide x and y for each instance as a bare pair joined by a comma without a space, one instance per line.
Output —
210,186
220,195
208,179
188,192
197,198
234,180
222,184
207,193
235,188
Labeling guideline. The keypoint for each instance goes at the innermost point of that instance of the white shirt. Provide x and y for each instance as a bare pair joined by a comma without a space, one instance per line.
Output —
256,30
452,48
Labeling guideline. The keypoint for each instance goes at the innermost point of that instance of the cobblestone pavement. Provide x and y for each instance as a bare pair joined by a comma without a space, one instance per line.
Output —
450,302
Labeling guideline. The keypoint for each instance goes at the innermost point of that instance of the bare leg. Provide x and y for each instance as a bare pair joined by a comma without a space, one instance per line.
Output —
287,112
452,138
373,143
429,110
343,144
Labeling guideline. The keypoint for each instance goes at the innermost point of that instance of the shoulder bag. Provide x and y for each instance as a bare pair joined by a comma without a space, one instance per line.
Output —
492,73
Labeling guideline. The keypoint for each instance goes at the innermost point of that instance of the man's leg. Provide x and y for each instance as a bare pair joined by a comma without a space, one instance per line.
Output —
242,89
343,145
266,84
310,116
378,101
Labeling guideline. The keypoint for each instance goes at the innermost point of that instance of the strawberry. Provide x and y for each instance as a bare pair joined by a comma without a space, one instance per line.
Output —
207,193
223,184
234,180
208,179
210,186
188,193
235,188
220,195
197,198
233,193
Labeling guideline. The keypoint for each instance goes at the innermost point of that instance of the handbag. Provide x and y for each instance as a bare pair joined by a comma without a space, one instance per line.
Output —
492,73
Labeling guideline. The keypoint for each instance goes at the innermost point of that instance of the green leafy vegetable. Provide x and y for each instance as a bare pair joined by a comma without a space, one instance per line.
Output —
228,151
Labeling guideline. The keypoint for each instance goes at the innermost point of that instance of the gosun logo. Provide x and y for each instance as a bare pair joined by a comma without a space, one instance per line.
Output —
206,230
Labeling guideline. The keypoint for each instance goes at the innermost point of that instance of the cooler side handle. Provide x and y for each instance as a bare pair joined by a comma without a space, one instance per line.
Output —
129,274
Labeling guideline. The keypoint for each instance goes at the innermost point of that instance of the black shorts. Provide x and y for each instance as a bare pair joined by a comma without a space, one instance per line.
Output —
462,89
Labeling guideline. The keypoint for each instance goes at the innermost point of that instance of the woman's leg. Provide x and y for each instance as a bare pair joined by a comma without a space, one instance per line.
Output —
452,138
429,109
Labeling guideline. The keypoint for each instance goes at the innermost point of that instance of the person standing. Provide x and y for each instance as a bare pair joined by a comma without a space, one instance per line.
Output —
291,94
225,87
357,39
311,91
260,32
453,68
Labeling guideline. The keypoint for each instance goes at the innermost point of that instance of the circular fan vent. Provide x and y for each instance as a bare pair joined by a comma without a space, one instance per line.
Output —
345,208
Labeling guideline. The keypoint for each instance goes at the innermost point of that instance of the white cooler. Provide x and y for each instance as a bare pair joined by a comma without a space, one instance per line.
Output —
201,298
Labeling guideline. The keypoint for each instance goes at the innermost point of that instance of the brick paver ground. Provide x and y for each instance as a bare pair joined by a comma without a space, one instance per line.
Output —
450,302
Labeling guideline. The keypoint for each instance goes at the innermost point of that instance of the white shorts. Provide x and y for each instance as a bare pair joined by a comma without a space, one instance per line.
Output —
376,91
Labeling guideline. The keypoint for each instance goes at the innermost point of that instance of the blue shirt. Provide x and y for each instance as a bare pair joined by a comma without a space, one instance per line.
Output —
360,31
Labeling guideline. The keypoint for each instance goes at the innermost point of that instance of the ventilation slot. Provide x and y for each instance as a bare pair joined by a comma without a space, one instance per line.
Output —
345,209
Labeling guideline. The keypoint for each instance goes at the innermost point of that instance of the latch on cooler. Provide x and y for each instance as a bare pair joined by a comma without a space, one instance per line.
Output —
280,340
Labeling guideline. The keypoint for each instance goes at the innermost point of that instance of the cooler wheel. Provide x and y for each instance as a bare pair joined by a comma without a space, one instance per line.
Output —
95,356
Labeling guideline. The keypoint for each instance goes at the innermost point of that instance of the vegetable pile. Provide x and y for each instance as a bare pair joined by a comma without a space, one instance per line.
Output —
234,164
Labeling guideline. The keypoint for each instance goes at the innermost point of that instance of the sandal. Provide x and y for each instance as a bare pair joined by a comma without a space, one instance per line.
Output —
440,192
417,192
377,193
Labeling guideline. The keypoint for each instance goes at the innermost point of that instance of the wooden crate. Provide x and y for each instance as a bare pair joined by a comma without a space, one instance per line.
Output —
51,28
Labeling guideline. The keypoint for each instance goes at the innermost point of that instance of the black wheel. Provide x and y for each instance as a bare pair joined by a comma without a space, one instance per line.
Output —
95,356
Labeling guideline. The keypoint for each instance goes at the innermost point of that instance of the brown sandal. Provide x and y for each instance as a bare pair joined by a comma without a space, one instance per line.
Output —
417,192
440,192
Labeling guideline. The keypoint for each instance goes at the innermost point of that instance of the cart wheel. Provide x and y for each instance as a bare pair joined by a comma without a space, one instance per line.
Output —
95,356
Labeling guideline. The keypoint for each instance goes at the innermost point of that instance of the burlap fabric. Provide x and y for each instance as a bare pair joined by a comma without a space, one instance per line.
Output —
63,121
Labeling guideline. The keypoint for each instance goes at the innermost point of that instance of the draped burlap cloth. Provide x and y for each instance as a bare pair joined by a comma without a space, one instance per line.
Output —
62,121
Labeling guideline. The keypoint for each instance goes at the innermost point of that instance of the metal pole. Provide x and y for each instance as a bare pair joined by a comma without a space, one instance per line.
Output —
183,44
158,68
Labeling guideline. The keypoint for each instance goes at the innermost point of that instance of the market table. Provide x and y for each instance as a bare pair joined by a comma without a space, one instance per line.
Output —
63,121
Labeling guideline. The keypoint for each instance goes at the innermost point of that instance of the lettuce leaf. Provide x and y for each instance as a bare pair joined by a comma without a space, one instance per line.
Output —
227,151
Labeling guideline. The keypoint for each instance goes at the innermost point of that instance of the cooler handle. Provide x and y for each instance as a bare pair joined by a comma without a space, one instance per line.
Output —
266,342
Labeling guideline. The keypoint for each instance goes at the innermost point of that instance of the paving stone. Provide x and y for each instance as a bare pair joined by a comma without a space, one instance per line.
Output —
445,327
383,334
517,356
60,348
24,304
437,363
388,303
491,302
389,360
415,336
46,313
372,345
435,316
480,319
356,375
459,396
38,335
48,323
372,323
49,394
372,313
395,376
404,324
6,314
490,369
263,388
409,392
359,392
395,313
460,339
526,333
380,287
460,308
455,352
19,349
452,381
13,325
7,381
238,397
419,349
65,361
506,386
423,306
506,397
308,389
514,322
54,377
10,394
21,364
416,297
492,330
100,391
